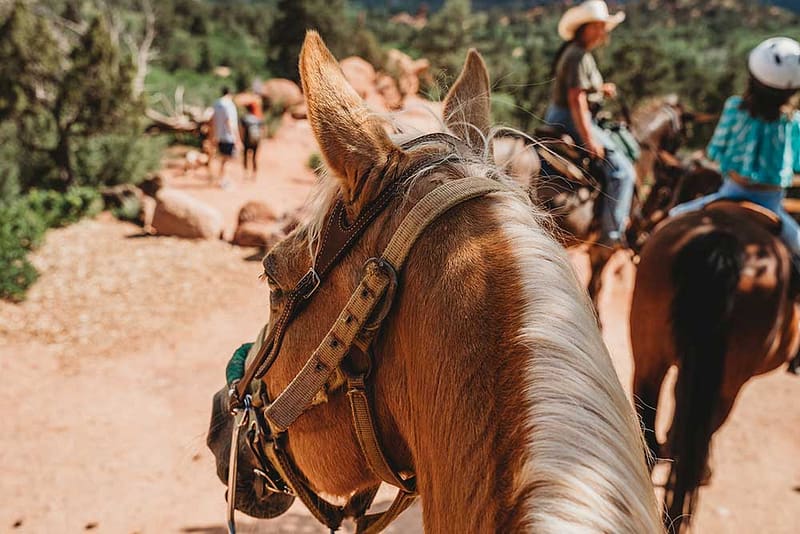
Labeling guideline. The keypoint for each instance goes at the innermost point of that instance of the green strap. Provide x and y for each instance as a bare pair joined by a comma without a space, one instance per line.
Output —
235,368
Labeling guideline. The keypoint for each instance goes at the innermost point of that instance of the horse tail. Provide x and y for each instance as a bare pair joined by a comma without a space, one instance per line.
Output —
706,274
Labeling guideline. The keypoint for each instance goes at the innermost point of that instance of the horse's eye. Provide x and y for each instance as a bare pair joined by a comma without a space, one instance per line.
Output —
275,294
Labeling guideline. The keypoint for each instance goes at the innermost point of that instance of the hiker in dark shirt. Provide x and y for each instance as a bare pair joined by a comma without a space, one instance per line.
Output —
251,126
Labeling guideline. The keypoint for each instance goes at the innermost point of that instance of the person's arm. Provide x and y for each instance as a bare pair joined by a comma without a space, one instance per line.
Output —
579,109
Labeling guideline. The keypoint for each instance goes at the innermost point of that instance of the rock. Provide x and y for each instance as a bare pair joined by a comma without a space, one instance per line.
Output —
255,211
390,92
257,234
360,74
178,214
299,111
407,71
280,93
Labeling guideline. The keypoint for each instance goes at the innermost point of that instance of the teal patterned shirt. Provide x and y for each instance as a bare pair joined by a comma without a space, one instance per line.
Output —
764,152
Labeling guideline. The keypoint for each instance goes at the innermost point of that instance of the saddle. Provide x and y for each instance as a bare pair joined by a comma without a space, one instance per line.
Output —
767,219
559,152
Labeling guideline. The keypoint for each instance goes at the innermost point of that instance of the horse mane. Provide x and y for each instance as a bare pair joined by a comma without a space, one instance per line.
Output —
582,465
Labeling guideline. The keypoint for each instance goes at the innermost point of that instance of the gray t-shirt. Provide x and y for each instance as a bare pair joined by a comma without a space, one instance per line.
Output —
576,69
225,120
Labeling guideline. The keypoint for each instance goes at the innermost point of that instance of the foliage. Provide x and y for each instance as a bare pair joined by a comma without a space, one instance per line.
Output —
315,162
23,223
61,94
293,18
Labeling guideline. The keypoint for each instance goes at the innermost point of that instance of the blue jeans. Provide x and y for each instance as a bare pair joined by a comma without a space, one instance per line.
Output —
619,174
772,200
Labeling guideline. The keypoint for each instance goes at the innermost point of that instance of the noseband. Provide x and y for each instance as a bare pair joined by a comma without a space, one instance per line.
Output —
345,347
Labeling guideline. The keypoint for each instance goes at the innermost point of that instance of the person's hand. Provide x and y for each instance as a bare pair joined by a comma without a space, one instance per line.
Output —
610,90
595,149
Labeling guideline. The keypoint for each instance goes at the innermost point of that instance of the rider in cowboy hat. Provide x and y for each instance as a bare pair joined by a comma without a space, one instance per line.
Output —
577,83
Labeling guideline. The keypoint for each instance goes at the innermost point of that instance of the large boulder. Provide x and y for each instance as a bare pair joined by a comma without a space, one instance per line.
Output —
257,234
259,227
360,74
255,211
280,93
179,214
407,71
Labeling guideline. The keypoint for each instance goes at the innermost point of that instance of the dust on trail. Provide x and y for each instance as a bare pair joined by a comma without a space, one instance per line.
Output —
108,370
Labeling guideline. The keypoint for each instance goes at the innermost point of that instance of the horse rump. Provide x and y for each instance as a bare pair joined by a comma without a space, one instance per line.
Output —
705,276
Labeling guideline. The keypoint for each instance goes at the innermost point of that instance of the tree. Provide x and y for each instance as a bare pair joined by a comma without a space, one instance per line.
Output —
56,99
294,17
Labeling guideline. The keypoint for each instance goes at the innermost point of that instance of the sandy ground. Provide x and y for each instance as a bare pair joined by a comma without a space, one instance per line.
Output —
108,370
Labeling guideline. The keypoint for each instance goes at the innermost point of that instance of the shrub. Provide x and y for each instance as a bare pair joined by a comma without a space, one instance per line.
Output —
117,159
20,231
315,162
16,272
60,209
23,223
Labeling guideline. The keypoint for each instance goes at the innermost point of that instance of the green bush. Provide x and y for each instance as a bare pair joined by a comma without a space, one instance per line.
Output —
20,231
23,223
117,159
315,162
16,272
60,209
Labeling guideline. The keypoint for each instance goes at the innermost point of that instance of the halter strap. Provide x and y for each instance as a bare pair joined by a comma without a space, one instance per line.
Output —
352,334
378,274
338,238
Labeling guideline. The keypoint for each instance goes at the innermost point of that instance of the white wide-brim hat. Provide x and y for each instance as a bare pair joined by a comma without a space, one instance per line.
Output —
589,11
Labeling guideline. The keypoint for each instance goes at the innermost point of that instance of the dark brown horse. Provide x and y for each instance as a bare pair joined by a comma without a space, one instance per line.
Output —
659,127
713,297
675,182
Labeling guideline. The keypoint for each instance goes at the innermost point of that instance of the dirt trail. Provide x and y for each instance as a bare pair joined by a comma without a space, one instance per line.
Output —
109,367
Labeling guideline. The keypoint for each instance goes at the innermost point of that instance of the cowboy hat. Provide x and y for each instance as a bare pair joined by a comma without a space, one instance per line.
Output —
589,11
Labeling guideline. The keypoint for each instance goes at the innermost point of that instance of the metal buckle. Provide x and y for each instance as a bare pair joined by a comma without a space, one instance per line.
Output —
311,277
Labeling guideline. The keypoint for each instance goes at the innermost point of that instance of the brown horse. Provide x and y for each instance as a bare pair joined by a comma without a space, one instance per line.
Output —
490,380
659,127
713,297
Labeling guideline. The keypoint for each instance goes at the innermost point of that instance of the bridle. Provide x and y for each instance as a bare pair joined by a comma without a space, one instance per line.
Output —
346,347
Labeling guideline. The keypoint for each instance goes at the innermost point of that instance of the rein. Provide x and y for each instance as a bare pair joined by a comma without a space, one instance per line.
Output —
350,338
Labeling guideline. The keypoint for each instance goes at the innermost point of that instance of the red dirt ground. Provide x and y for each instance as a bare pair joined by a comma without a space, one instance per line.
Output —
109,367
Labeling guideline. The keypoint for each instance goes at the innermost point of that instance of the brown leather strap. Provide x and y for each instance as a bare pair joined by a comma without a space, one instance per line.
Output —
326,513
364,425
300,392
374,523
337,239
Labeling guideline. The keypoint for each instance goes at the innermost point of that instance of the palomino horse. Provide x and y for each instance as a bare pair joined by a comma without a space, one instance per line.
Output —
713,297
489,379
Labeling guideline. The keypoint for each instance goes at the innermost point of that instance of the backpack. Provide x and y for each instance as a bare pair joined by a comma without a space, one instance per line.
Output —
252,130
623,139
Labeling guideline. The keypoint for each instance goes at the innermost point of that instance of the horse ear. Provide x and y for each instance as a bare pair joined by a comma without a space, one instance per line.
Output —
352,140
468,105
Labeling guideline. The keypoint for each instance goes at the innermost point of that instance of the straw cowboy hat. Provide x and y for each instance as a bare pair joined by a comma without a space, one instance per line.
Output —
589,11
